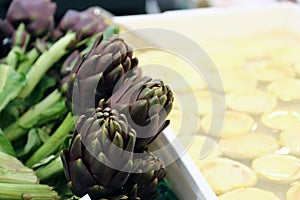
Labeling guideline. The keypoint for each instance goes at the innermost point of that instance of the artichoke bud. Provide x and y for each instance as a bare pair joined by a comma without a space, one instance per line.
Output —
101,150
38,16
146,103
99,72
85,23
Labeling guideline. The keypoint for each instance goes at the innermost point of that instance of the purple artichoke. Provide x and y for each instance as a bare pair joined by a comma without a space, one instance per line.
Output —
95,77
99,159
84,24
146,104
37,15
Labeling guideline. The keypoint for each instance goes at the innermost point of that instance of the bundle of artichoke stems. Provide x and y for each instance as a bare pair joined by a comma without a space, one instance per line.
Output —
75,108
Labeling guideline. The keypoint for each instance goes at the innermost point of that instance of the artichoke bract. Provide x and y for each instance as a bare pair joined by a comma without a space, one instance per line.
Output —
99,159
95,77
146,104
38,16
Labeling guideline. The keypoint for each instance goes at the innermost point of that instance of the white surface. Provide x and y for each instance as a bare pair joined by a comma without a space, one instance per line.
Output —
86,197
207,25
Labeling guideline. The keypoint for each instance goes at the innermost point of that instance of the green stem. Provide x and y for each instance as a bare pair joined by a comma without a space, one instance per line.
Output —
12,58
44,63
26,191
52,145
32,55
21,41
17,129
49,171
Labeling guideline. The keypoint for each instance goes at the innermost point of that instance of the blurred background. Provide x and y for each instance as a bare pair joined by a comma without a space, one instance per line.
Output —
133,7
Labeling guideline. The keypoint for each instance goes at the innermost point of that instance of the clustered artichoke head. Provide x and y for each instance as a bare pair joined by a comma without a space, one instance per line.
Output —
101,161
100,156
95,77
85,23
122,113
38,16
146,104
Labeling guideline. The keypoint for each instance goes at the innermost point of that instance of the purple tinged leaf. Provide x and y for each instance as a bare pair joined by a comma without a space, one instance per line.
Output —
80,176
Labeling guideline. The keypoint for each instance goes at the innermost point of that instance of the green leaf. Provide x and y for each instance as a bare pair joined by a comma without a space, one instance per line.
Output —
18,106
11,83
33,142
45,132
5,145
17,129
57,111
44,161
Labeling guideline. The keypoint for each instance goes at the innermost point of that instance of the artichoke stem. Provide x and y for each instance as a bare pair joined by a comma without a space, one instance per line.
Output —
50,171
17,130
12,58
45,62
20,44
24,66
52,145
26,191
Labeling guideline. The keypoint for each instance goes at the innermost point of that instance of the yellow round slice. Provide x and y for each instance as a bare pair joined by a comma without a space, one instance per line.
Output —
224,174
273,73
291,140
293,193
285,89
281,120
249,146
201,147
249,194
253,101
286,56
234,123
277,168
237,80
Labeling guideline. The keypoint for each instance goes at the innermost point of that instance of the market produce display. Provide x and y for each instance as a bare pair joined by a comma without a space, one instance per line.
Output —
76,114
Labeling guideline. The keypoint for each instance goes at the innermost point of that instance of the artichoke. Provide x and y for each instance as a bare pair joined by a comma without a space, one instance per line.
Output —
84,24
148,171
146,104
95,77
38,16
99,159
